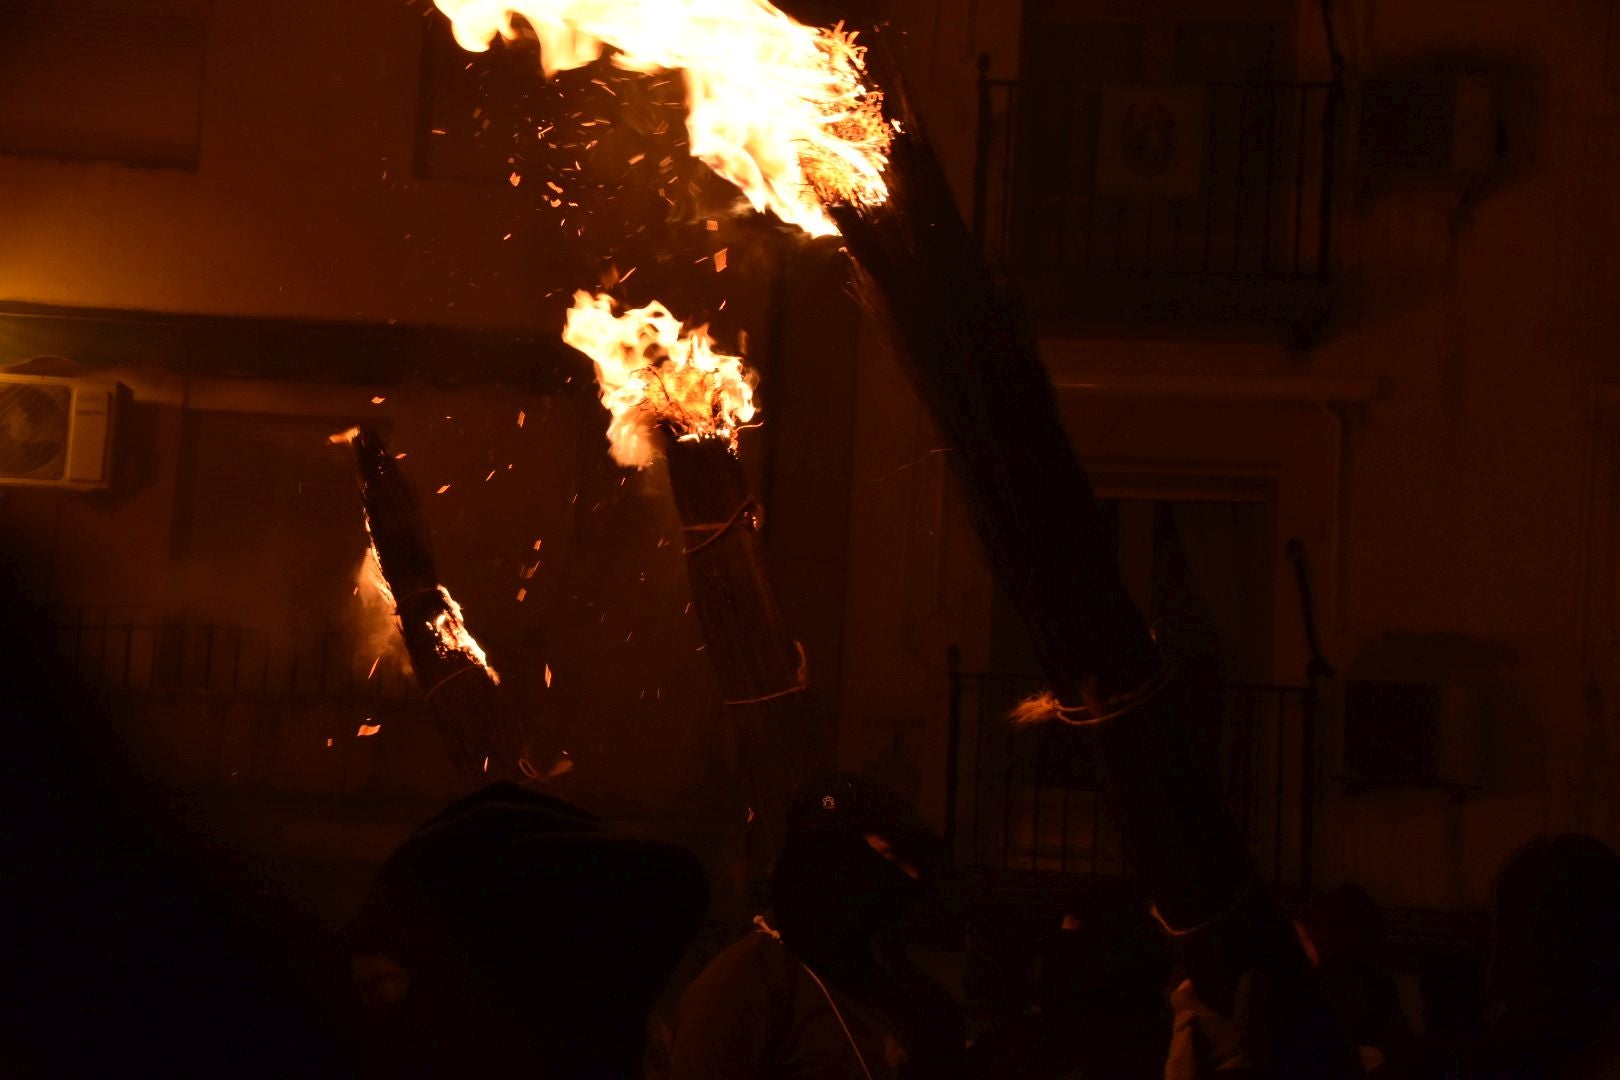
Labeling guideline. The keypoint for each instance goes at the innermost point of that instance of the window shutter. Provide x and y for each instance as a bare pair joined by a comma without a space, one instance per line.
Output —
102,79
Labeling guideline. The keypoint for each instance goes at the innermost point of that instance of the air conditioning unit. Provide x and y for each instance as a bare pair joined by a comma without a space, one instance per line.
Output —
56,432
1436,126
1409,734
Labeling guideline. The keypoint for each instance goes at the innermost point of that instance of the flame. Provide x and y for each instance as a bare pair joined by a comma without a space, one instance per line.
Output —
652,372
453,635
381,613
775,107
373,587
376,624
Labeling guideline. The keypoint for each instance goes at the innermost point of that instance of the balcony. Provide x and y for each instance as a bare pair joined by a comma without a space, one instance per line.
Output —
264,724
1115,206
1027,803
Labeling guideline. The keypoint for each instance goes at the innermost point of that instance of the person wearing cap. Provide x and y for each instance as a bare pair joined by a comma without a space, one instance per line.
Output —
819,989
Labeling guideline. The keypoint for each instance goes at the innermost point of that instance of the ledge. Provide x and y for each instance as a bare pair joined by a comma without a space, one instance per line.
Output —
1288,311
1275,389
239,346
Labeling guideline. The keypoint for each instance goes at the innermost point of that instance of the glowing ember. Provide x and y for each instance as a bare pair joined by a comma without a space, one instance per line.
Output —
373,587
652,372
777,108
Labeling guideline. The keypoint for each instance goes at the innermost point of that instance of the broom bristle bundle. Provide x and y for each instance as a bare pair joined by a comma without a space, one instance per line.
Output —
1041,708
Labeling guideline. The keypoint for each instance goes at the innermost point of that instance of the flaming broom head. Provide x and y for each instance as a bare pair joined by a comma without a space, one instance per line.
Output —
653,373
779,109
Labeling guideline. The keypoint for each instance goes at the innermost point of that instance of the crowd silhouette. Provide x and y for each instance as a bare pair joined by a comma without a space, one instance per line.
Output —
518,935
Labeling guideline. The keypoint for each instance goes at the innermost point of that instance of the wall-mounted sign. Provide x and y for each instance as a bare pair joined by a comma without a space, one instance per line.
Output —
1151,141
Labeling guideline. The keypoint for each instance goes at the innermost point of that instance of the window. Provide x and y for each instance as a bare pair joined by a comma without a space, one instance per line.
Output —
1200,572
270,497
95,79
1162,148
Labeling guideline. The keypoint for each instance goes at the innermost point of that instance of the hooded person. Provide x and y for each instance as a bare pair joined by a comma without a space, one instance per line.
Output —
516,934
820,989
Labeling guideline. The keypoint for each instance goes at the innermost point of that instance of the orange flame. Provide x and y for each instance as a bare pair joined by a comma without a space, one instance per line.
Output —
449,625
373,587
652,372
454,637
377,625
381,614
775,107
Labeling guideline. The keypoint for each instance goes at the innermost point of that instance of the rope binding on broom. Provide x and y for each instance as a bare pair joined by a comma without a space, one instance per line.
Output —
1046,706
456,674
800,685
712,532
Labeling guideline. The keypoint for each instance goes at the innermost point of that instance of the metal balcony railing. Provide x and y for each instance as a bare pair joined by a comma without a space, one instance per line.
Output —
268,718
1030,799
117,649
1080,188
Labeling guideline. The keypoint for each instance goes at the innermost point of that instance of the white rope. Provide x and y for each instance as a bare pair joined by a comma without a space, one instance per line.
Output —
768,930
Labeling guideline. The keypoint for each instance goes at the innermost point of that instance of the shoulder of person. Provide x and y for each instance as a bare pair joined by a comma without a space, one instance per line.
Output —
756,959
728,1021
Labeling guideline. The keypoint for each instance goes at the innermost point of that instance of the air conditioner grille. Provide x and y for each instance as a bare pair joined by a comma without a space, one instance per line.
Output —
34,424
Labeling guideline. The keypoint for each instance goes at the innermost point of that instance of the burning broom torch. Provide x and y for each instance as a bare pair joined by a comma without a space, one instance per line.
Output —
484,737
786,113
670,392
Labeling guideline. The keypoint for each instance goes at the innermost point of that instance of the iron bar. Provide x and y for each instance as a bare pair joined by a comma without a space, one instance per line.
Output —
953,667
1272,151
982,143
1299,186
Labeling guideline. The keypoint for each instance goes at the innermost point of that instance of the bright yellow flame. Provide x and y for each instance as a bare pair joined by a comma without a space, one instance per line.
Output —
372,587
651,372
775,107
376,622
454,637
